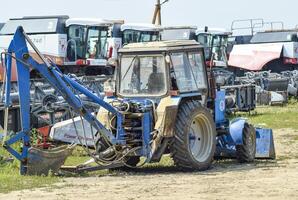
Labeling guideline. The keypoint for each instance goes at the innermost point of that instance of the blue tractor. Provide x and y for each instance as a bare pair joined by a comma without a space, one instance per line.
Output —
161,104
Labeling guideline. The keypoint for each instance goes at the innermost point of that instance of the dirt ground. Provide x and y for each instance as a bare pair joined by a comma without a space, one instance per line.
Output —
226,180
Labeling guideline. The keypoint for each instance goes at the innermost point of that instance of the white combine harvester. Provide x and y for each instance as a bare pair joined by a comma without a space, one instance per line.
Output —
78,46
139,32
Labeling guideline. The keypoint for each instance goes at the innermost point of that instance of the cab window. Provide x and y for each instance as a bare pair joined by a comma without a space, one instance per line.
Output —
188,71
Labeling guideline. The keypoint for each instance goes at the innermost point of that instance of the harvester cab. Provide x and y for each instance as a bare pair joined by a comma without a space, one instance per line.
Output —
215,42
135,32
92,41
161,105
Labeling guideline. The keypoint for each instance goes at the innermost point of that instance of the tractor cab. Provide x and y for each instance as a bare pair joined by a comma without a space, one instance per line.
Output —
89,41
161,69
215,42
134,33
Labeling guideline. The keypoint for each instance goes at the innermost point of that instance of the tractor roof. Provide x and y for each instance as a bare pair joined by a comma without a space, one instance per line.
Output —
170,45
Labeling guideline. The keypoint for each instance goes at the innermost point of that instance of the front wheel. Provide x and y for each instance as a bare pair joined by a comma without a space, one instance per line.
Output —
194,140
247,151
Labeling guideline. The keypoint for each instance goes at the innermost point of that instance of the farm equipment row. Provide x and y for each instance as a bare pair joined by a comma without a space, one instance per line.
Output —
272,88
162,104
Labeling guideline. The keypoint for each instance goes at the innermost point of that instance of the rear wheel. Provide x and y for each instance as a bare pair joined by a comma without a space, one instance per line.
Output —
247,151
194,141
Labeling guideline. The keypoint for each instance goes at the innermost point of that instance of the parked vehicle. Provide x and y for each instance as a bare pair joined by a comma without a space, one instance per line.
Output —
136,32
79,46
215,42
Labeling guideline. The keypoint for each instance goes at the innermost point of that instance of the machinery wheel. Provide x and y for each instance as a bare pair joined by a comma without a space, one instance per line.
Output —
194,139
247,151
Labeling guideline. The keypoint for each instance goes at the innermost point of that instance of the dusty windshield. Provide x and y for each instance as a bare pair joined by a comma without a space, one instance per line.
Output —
142,75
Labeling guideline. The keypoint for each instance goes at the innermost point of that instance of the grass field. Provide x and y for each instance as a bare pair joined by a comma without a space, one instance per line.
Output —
10,180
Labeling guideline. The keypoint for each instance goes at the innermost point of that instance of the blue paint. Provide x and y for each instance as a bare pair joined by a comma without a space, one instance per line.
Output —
265,143
236,130
146,123
220,108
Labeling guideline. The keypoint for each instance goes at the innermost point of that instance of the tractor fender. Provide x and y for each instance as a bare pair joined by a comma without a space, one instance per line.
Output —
236,130
166,115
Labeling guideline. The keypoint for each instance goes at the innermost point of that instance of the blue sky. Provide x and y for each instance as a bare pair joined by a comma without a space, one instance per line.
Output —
214,13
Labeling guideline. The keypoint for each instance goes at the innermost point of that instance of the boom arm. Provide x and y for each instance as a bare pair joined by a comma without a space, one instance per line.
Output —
63,84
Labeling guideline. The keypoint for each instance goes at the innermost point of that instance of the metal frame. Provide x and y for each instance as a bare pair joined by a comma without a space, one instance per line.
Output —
63,84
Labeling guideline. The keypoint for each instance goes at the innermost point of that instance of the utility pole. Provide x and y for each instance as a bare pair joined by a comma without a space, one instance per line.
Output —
157,12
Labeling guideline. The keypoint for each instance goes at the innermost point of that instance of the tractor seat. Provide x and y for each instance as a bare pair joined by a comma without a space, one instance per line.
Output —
156,82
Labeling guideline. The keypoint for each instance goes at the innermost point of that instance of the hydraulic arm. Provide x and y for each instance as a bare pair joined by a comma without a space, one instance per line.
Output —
66,86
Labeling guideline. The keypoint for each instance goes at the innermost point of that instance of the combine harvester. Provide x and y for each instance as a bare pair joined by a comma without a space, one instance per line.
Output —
161,105
267,57
136,32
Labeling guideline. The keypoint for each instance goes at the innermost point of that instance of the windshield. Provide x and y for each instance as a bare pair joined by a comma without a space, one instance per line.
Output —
189,74
86,42
132,36
214,45
220,43
206,40
96,42
32,26
142,76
